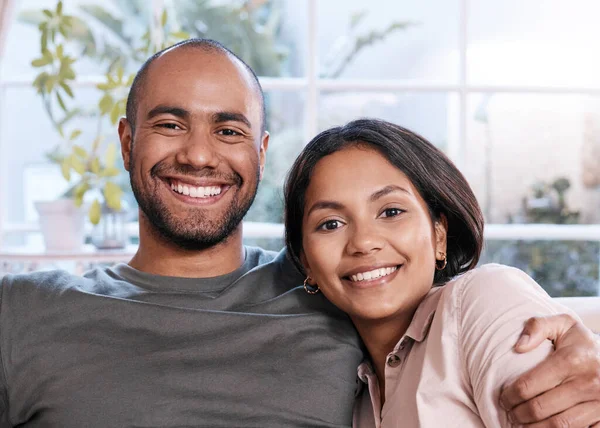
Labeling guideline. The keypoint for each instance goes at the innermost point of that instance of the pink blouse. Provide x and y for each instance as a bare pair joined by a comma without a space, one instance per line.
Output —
450,366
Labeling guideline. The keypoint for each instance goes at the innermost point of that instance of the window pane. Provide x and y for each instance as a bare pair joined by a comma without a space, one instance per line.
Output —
517,42
433,115
389,40
562,268
26,137
105,29
285,114
535,158
268,35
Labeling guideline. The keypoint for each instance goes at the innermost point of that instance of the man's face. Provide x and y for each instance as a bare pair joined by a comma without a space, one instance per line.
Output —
197,154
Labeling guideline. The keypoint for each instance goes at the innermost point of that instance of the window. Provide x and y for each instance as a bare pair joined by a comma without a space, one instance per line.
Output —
510,99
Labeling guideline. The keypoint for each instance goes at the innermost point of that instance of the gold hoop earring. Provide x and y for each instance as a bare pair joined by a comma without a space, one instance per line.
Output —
444,261
310,289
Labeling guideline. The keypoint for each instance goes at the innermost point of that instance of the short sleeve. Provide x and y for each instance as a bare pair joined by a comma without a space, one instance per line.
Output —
493,304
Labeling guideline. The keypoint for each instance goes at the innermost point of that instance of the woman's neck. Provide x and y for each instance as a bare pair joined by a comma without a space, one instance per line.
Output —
380,337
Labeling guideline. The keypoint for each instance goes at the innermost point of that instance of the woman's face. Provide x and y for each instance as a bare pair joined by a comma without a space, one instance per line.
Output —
369,242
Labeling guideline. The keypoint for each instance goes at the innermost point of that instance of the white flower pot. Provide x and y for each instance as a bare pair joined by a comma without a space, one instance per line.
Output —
62,224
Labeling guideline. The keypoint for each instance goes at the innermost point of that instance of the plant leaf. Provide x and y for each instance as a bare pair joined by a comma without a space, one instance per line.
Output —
95,212
183,35
80,192
76,133
112,195
77,164
110,156
67,89
40,62
61,103
78,150
114,113
44,41
65,169
163,18
105,104
95,166
48,13
111,171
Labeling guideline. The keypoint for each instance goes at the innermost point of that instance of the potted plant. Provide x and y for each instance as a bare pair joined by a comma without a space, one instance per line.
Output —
91,172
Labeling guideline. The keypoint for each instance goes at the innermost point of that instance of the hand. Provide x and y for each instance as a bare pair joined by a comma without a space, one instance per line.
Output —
564,389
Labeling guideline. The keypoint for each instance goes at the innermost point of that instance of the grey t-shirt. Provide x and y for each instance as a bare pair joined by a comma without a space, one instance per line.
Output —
123,348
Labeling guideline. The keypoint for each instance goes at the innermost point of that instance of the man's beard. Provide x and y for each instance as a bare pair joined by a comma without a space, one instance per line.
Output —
201,232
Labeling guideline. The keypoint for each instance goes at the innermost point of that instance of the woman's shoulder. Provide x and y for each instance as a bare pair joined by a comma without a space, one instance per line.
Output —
493,289
492,278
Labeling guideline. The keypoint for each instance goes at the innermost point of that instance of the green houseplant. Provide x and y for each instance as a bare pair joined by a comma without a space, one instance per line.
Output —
91,170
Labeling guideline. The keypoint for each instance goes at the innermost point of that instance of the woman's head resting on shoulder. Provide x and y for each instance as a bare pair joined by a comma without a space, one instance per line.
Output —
376,215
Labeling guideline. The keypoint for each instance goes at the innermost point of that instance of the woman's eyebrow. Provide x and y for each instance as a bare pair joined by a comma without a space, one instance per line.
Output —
324,205
386,191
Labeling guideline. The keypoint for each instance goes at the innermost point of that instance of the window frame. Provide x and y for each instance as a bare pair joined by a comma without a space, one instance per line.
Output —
311,85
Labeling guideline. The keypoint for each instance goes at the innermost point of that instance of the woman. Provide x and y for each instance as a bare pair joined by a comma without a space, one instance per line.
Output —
389,230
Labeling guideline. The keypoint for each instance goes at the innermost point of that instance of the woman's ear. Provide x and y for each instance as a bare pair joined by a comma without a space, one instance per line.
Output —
307,269
441,235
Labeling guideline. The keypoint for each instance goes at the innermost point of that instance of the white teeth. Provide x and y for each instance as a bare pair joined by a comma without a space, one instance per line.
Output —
196,192
373,274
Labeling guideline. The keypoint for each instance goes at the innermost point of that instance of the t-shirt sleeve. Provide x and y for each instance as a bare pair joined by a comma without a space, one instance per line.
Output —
493,305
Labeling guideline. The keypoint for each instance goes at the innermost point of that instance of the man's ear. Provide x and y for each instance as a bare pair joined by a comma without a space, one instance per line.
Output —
126,138
264,145
441,235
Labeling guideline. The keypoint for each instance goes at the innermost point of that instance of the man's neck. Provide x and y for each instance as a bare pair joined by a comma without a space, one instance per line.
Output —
157,256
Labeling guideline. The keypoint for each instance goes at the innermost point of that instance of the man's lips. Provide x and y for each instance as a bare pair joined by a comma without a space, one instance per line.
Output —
197,192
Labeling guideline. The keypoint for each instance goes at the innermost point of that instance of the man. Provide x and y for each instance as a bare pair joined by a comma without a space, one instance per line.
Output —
198,330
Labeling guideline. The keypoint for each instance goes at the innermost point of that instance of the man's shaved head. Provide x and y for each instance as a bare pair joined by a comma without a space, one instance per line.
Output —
203,45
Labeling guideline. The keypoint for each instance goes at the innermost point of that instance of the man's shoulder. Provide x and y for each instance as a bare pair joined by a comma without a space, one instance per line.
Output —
54,283
275,265
42,280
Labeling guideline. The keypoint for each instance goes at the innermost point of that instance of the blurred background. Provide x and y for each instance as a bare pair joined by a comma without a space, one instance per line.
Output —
509,90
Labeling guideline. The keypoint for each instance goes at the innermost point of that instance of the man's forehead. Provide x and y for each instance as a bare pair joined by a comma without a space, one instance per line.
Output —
188,79
195,63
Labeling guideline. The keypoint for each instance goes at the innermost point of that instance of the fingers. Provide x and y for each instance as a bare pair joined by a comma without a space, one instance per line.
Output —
553,402
581,416
538,329
543,377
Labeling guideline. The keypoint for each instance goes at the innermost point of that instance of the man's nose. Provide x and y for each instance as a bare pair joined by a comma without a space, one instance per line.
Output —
198,151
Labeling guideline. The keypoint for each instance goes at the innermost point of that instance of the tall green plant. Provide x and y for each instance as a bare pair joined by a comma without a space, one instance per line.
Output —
93,170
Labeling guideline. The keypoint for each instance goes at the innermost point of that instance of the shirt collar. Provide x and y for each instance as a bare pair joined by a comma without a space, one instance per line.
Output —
417,329
423,317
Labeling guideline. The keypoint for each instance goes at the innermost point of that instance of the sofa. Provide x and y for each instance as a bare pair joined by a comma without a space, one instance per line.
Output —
588,309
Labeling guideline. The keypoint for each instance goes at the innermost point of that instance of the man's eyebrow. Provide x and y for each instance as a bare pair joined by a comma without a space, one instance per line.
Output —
386,191
324,205
165,109
226,116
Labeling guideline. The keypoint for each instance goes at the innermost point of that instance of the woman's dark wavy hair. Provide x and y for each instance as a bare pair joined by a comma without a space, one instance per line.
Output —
442,186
